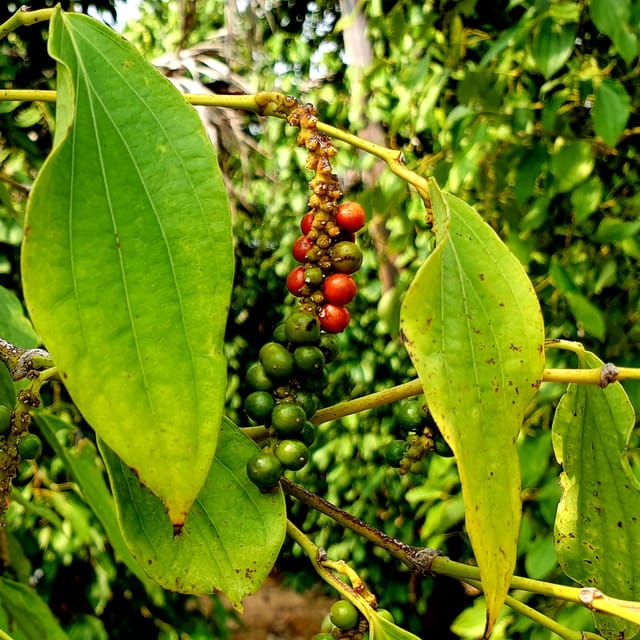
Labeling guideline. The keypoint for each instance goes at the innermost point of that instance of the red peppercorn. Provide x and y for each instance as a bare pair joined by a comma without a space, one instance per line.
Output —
333,318
301,247
339,288
295,281
306,223
350,216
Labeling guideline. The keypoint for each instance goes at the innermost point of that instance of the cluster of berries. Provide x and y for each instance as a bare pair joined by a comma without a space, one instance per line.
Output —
420,437
323,281
29,444
345,621
285,385
290,374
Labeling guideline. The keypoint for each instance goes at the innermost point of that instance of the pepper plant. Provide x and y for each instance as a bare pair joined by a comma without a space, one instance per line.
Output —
127,268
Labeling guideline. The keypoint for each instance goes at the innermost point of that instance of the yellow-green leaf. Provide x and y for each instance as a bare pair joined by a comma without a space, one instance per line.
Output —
127,261
597,526
232,535
473,328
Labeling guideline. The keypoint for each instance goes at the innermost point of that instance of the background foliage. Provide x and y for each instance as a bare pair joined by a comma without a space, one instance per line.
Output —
525,109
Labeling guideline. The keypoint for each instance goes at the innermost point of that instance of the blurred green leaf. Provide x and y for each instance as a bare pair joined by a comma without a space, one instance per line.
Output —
597,526
552,45
540,558
27,613
127,264
586,198
528,171
587,315
613,19
572,164
231,537
473,328
614,230
611,110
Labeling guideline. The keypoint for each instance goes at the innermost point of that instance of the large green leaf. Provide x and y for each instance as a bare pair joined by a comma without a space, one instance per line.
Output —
26,614
597,526
232,534
84,465
127,260
473,328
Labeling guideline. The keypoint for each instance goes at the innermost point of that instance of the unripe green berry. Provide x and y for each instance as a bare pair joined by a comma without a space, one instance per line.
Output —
441,447
288,418
258,379
410,416
259,405
313,276
346,257
329,346
386,615
279,334
5,419
344,615
302,328
308,433
308,401
323,636
276,360
394,452
264,470
308,358
29,446
316,383
292,454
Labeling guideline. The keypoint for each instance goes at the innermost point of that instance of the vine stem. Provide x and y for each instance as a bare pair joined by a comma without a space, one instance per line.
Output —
543,620
430,561
415,388
330,571
24,17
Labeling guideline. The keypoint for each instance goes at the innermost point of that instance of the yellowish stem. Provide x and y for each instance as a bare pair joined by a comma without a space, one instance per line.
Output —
24,17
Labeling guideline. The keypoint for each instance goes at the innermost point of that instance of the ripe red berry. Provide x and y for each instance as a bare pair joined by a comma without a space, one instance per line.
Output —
306,223
339,288
333,318
301,247
295,281
350,216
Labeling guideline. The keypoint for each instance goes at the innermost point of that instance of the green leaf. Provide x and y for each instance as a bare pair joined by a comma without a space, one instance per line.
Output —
27,613
127,260
232,534
586,198
588,316
597,526
382,629
571,164
84,465
473,328
15,327
611,110
613,229
613,19
552,45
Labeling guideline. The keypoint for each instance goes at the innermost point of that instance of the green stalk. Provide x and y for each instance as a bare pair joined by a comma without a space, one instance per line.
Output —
24,17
